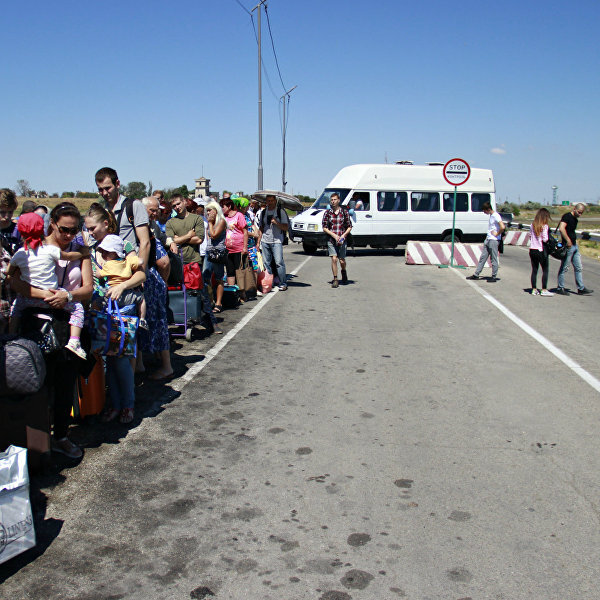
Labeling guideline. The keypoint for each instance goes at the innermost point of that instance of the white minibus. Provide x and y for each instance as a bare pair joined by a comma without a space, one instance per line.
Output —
393,203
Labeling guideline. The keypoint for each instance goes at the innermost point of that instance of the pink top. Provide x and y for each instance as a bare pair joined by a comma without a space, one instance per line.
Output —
235,232
535,242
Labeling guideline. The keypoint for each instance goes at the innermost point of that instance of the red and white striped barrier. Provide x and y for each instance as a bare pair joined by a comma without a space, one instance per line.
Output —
517,238
438,253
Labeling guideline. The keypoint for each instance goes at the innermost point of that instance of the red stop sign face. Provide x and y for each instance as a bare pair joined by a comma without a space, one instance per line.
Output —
457,171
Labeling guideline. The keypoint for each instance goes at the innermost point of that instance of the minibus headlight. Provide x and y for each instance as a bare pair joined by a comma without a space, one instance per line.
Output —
313,227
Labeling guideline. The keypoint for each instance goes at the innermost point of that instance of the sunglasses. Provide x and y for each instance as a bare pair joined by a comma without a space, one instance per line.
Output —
68,230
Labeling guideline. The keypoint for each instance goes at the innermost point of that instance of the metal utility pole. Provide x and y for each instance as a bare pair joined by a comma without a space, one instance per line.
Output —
286,95
260,166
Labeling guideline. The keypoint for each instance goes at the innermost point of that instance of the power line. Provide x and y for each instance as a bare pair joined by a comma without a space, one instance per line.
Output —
273,46
262,61
243,7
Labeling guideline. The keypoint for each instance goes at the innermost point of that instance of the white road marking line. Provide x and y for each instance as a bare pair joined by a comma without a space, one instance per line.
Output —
182,381
538,337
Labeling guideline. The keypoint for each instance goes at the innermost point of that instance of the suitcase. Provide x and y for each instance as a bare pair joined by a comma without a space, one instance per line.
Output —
231,296
92,391
25,422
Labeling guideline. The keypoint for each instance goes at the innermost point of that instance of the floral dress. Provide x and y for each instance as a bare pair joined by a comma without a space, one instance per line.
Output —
156,337
252,249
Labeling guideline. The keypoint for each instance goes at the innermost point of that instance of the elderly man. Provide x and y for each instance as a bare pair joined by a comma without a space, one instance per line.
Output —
163,265
273,222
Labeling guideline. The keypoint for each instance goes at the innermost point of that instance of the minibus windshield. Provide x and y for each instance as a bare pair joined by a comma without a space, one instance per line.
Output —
323,201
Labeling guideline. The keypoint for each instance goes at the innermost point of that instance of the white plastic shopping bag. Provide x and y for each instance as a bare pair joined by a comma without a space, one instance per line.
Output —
16,521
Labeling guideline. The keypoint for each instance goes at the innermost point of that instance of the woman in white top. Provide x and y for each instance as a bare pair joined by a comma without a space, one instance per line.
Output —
537,255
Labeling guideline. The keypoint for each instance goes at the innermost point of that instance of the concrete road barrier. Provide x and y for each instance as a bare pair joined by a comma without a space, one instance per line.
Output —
517,238
438,253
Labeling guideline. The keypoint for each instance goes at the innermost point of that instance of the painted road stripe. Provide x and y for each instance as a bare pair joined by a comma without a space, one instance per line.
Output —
182,381
538,337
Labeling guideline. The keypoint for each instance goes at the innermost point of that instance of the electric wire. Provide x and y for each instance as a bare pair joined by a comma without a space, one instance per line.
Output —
273,46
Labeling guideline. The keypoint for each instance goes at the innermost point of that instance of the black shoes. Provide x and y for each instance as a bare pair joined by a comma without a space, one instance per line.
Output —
344,276
474,277
493,279
562,291
585,291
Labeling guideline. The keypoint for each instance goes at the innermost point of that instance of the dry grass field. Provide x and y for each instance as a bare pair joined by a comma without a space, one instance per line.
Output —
81,203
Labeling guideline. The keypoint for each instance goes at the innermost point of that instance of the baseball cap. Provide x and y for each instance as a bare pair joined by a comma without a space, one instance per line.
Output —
113,243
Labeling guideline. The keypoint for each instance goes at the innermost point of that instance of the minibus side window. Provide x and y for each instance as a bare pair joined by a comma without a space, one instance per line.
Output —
462,202
477,201
425,202
361,201
392,201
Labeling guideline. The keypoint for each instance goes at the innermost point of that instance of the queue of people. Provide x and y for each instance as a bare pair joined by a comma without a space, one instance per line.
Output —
120,254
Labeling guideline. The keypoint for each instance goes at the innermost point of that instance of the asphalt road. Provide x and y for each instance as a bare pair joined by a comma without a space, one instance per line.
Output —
399,437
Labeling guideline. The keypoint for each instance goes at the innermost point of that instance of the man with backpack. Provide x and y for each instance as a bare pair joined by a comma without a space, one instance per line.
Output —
131,215
337,225
273,224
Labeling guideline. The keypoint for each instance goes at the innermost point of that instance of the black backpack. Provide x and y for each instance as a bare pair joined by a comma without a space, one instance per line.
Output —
128,205
263,222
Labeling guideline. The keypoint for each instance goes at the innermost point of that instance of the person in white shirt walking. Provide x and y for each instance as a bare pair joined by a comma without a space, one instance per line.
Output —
490,248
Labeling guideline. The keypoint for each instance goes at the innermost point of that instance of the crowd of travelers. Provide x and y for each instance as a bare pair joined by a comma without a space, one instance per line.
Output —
121,258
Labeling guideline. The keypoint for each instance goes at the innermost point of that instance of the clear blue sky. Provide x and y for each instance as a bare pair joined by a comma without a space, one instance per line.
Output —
168,91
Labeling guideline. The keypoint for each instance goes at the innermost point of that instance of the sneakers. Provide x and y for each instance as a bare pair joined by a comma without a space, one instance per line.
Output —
474,277
283,288
493,279
585,291
143,324
562,291
535,292
546,293
335,283
74,345
344,276
67,447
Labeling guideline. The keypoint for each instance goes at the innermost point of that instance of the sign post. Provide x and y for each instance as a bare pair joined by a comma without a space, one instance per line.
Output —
456,172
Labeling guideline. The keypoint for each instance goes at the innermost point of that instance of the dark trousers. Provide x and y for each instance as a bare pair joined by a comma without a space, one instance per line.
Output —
538,258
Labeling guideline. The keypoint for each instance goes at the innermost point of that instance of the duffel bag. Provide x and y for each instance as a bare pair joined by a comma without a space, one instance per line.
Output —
22,366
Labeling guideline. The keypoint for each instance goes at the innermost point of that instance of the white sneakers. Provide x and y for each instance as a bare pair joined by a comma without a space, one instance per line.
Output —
74,346
535,292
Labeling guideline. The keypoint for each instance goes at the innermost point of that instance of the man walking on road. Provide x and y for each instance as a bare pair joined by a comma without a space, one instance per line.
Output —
337,225
490,248
567,227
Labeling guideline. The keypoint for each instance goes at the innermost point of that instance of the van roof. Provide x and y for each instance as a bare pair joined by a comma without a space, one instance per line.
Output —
408,177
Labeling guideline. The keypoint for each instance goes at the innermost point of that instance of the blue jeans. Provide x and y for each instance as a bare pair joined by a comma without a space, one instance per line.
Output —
573,256
119,378
271,251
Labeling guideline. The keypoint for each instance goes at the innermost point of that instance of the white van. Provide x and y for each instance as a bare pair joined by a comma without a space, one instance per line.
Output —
393,203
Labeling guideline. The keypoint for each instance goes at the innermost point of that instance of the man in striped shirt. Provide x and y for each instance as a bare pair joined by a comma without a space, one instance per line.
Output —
337,225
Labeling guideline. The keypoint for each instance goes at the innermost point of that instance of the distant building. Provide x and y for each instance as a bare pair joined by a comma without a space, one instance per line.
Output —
202,187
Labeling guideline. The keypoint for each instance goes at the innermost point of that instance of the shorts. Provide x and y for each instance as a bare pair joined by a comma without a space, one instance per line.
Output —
234,262
334,249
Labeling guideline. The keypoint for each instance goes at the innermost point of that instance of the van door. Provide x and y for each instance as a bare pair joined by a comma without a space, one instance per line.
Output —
362,216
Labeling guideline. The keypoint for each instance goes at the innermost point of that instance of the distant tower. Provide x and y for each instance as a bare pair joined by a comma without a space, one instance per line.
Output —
554,195
202,187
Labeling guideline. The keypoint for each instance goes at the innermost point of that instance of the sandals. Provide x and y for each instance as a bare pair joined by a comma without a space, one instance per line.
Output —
218,308
126,415
109,415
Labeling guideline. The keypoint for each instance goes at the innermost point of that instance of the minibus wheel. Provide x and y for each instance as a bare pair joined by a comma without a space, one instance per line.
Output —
448,237
309,248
